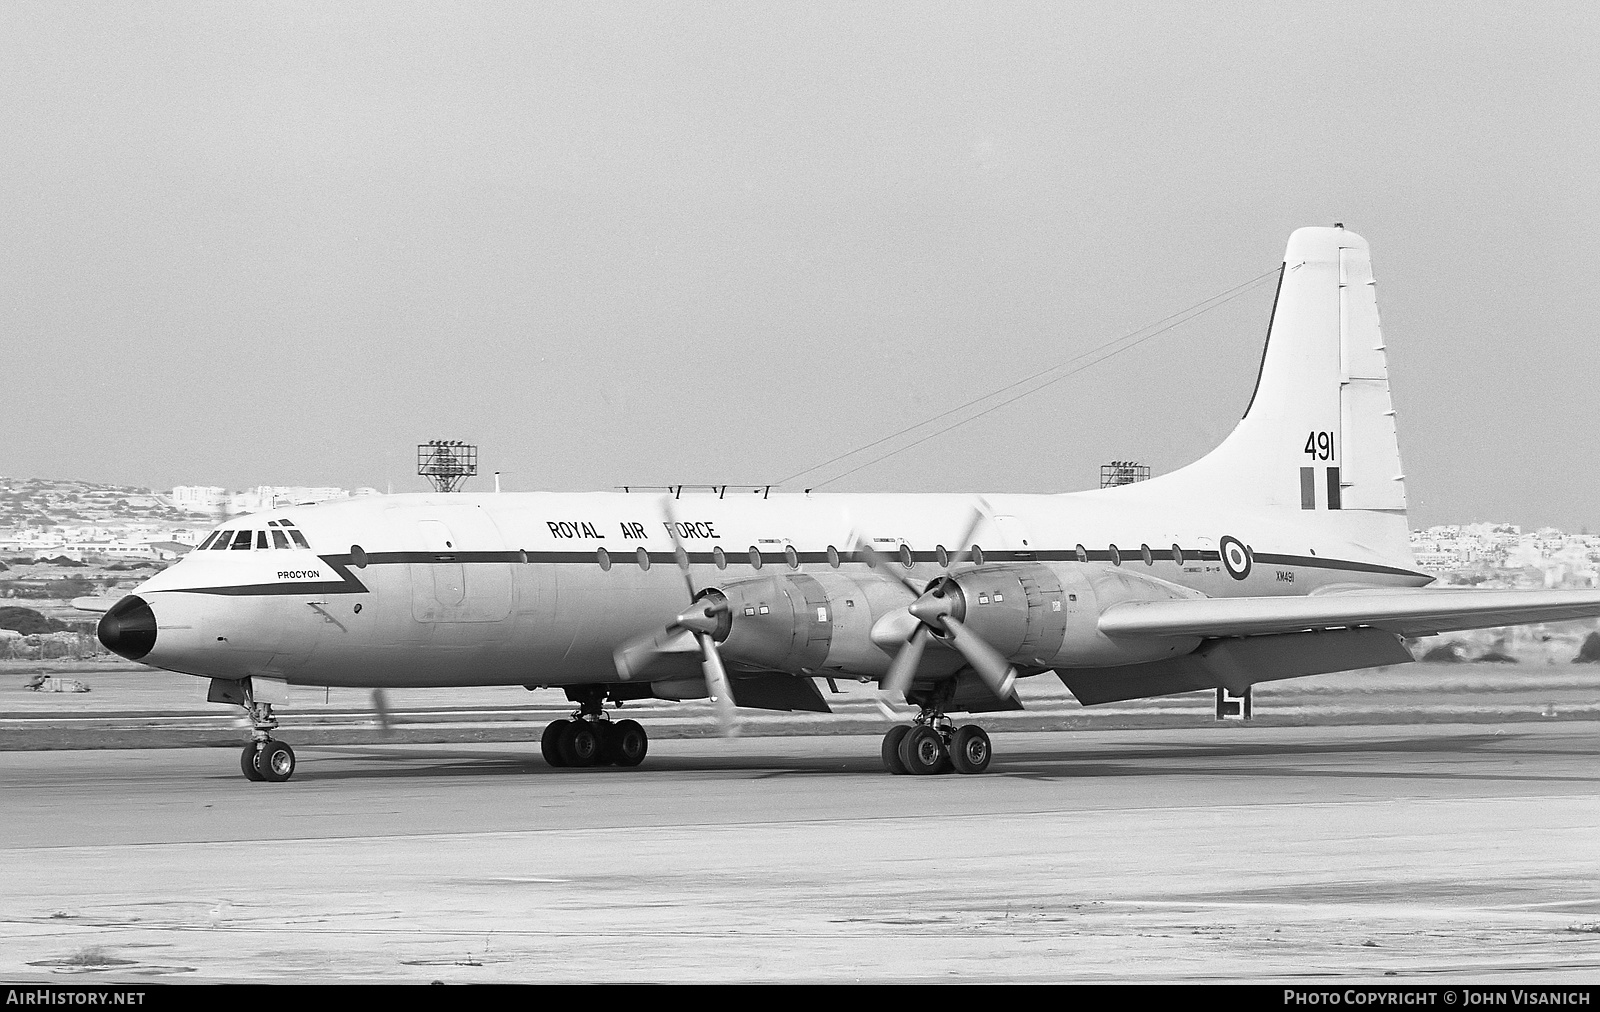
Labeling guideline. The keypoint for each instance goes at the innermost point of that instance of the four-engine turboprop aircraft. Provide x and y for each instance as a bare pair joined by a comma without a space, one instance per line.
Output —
1284,552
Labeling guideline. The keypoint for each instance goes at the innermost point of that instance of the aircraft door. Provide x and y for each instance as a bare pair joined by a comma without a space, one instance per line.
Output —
461,577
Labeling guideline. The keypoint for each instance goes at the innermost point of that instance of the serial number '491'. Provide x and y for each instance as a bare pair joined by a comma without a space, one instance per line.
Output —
1319,445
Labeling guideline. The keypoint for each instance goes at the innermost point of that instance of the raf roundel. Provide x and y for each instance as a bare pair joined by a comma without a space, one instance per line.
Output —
1235,557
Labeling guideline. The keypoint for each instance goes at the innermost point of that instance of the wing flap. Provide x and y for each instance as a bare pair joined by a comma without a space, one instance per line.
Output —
1406,612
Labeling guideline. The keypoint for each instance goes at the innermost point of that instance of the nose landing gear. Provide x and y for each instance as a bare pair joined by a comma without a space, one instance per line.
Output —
265,758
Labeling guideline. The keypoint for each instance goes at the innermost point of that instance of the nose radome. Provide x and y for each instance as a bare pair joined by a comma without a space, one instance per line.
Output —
129,628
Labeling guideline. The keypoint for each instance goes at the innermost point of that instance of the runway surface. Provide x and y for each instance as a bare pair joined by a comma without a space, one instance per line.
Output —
1447,852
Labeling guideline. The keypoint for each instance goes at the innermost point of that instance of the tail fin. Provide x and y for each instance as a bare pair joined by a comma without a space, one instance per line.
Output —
1319,433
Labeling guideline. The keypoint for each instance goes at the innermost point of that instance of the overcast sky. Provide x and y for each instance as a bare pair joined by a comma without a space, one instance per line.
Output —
649,243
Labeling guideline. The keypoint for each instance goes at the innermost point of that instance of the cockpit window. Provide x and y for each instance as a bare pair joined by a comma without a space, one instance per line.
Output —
261,540
241,541
223,539
202,546
278,540
299,539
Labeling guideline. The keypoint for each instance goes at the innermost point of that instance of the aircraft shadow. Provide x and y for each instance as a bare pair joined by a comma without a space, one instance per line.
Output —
1231,760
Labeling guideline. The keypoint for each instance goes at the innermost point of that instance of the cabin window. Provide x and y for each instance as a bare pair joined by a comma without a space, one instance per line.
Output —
720,558
241,541
791,556
1145,553
279,540
643,557
755,557
358,555
977,555
604,558
943,556
1116,556
905,556
1177,555
1083,554
298,538
833,557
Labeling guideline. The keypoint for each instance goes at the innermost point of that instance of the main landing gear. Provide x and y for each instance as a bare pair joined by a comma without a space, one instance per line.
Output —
933,744
591,738
265,758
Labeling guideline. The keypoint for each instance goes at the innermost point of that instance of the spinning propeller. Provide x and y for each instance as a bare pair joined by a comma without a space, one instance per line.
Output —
939,610
698,625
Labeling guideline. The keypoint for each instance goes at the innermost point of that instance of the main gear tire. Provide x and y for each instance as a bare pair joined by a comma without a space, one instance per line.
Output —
550,742
580,744
891,749
922,751
970,750
628,744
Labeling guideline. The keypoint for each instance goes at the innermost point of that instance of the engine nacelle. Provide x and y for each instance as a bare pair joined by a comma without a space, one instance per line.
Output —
1048,615
800,622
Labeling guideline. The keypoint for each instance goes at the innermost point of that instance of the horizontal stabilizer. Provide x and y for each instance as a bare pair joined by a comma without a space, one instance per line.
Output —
1408,612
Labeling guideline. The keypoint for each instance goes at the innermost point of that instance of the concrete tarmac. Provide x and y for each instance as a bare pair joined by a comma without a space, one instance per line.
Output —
1387,854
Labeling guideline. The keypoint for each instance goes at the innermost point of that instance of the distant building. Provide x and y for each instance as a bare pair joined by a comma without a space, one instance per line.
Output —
198,498
266,497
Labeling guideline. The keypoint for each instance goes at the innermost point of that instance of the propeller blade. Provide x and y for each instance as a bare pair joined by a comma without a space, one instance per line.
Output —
717,685
964,546
680,554
876,561
380,708
988,662
635,655
903,669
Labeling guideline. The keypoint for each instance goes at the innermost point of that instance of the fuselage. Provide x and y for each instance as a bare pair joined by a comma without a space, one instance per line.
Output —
540,588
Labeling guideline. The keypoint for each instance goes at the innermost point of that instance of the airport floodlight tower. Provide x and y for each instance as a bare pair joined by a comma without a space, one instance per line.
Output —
1123,472
447,463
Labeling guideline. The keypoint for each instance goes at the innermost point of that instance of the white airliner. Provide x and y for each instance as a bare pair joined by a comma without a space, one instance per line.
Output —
1282,553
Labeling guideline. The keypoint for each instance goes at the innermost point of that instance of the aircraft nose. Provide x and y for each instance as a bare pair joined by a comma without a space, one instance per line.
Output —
129,628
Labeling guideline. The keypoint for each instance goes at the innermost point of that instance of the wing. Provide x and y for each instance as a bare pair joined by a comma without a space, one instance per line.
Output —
1246,640
1410,612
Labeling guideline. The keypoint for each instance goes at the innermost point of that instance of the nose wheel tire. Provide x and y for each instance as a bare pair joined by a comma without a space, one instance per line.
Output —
970,751
891,749
922,751
275,762
247,763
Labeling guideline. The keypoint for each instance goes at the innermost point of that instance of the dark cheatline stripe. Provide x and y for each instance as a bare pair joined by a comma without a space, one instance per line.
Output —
351,584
